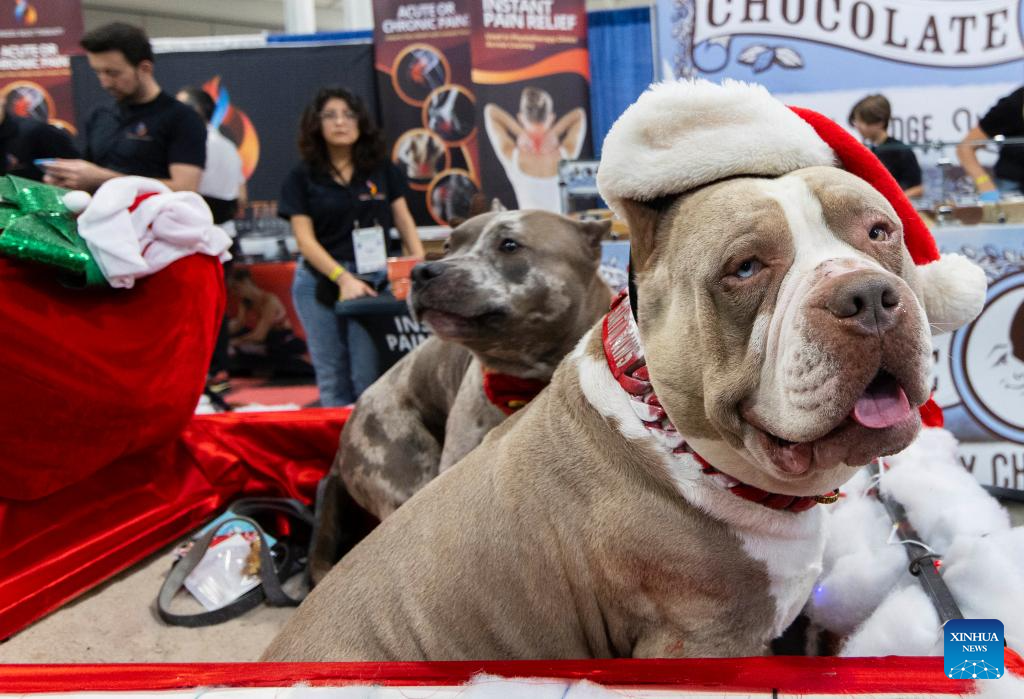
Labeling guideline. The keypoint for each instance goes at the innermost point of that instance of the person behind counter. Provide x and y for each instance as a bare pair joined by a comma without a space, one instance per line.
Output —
870,116
1006,118
222,186
146,132
344,189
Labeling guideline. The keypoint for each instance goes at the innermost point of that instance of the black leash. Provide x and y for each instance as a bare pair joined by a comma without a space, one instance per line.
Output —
271,573
921,557
632,287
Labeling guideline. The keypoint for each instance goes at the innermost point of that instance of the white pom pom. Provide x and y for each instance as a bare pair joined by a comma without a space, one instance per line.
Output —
76,201
954,291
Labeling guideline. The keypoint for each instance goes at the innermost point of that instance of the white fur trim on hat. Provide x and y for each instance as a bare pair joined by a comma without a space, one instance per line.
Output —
680,135
953,290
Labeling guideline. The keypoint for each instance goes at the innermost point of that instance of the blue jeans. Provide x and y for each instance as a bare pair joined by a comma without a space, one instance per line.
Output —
343,353
1008,186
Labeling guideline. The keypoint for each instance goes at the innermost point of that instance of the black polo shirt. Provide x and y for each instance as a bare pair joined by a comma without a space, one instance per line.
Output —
1007,119
25,140
337,209
144,139
900,161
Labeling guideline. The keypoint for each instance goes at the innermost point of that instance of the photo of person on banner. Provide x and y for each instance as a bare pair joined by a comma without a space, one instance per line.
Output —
418,71
448,112
531,144
421,153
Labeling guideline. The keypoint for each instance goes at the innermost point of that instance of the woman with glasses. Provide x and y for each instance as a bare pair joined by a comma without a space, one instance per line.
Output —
342,201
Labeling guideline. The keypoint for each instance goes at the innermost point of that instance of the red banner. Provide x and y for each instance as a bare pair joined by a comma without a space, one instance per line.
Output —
37,39
429,111
531,75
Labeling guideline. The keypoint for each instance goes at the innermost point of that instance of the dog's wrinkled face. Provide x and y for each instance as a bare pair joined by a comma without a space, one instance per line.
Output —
785,337
509,280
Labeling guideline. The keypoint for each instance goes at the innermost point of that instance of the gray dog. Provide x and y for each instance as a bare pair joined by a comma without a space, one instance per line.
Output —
511,298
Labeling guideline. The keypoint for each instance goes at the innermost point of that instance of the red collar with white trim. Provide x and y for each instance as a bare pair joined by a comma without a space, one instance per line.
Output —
510,393
625,355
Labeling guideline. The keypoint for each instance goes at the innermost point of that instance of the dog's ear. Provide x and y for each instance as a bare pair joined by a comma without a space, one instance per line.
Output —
496,205
642,219
594,232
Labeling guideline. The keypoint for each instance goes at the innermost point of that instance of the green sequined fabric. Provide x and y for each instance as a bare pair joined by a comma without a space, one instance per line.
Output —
36,226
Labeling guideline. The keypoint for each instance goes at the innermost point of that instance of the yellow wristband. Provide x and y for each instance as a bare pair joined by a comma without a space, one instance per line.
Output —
982,180
336,273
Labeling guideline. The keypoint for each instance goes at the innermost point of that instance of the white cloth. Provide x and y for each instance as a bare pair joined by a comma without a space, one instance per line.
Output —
162,229
865,591
222,175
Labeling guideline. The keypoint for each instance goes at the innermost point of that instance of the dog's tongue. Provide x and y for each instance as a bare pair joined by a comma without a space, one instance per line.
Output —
883,404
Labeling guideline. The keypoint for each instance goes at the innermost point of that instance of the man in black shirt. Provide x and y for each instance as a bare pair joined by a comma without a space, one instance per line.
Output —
24,141
1006,118
146,133
870,117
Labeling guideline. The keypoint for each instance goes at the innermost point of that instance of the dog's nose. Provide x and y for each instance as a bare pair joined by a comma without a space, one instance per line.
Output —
869,304
425,271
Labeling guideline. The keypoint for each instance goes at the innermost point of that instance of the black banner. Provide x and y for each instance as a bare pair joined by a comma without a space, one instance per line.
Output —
37,40
260,94
531,77
423,78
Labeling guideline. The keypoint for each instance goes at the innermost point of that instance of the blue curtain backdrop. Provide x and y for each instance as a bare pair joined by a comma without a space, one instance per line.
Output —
621,65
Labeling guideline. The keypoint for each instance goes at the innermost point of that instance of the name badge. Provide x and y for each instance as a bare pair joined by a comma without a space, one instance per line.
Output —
370,248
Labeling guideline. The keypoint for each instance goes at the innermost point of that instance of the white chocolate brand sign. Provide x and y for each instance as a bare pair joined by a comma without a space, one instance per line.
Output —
922,32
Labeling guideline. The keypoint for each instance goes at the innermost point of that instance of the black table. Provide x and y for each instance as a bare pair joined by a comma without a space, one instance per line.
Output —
388,322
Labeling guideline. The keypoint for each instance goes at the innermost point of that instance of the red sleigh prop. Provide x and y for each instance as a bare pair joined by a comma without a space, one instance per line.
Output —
103,462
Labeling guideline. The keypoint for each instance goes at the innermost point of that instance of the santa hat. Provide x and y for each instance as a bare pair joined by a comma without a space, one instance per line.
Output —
682,135
136,226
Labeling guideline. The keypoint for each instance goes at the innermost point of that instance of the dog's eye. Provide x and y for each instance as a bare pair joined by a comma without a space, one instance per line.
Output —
878,234
508,245
748,268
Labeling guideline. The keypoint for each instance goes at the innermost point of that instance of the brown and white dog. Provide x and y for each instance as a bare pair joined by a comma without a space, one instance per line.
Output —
659,498
512,296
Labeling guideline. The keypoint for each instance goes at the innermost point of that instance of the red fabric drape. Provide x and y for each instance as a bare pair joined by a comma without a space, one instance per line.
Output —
91,376
61,545
101,459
